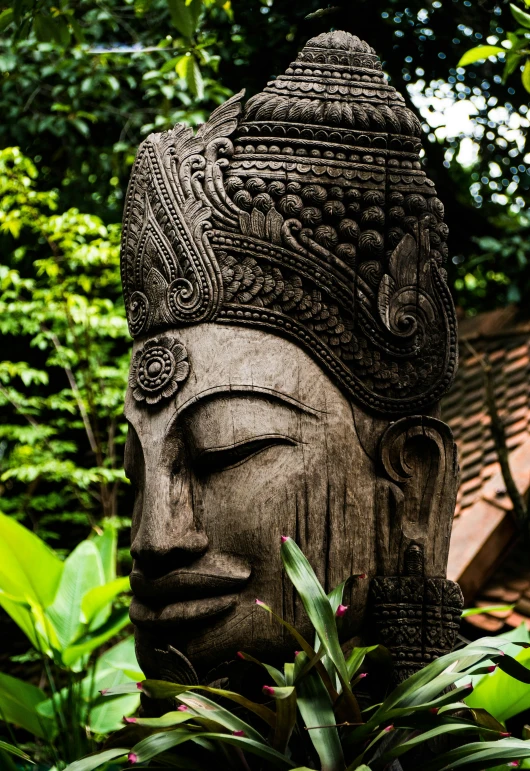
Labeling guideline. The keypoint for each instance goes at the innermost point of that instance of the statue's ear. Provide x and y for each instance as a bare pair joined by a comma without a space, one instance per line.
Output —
416,495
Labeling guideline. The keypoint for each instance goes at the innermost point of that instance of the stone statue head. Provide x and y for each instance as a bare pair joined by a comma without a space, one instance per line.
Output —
283,275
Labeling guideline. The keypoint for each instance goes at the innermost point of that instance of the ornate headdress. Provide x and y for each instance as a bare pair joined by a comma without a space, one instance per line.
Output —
305,213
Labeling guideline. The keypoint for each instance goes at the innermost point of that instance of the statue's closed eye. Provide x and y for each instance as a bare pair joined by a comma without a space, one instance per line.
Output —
214,459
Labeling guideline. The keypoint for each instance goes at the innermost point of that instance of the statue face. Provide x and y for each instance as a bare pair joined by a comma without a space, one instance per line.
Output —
256,442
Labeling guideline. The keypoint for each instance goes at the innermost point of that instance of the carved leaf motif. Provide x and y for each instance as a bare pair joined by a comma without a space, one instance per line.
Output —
175,213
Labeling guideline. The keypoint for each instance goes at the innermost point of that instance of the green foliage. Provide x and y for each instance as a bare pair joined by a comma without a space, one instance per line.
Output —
60,308
68,611
310,723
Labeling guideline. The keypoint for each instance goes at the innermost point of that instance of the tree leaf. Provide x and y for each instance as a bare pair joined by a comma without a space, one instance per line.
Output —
520,17
6,18
194,77
181,17
525,77
478,53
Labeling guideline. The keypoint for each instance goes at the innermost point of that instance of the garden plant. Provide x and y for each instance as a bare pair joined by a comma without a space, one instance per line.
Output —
311,718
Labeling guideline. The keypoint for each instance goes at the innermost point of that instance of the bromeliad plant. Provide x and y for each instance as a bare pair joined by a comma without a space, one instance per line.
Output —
311,717
67,611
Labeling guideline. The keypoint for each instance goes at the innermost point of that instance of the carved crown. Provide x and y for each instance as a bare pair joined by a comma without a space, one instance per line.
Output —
306,213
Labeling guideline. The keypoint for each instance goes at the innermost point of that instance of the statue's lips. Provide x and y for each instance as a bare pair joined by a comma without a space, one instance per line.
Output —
209,577
180,612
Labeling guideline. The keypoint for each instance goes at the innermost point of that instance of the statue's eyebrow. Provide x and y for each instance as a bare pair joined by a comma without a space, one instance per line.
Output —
210,393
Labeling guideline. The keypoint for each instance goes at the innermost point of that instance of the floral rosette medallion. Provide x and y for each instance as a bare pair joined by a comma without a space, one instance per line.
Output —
157,370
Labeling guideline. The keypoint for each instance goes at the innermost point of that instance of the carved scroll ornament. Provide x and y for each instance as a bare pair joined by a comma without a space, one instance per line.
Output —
306,213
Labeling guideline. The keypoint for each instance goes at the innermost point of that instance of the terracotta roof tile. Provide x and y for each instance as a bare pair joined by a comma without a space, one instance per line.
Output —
507,345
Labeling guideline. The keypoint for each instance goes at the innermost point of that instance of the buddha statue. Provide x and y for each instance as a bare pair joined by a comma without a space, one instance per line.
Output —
293,332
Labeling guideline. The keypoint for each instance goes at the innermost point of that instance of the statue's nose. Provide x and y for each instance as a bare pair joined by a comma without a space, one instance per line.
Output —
167,535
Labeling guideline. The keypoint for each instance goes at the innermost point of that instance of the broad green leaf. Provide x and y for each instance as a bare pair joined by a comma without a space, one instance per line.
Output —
98,601
82,571
107,715
520,17
317,710
72,655
525,77
106,544
181,17
501,695
28,568
478,53
31,620
95,761
18,705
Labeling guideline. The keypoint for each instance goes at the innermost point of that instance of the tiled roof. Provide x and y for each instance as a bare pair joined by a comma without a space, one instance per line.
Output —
483,530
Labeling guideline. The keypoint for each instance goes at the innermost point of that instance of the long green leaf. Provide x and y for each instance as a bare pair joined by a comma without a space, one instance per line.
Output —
316,709
480,755
82,571
12,750
95,761
315,602
314,658
274,673
441,730
18,705
158,689
285,699
487,609
169,720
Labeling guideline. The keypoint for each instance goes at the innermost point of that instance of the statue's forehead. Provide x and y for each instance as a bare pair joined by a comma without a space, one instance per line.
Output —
245,360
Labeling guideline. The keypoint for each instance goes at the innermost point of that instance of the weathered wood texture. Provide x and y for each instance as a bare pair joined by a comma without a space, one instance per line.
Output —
283,278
